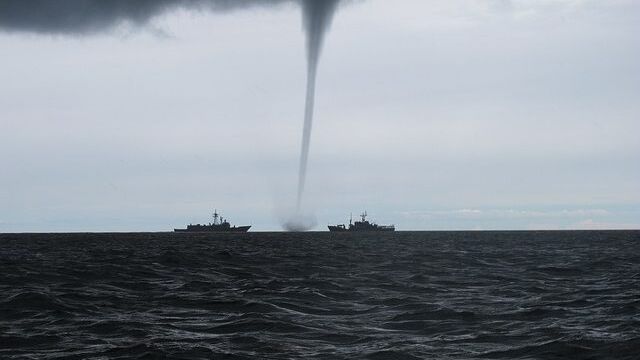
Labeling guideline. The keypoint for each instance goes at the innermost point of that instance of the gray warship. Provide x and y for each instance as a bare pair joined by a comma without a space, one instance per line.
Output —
362,226
219,224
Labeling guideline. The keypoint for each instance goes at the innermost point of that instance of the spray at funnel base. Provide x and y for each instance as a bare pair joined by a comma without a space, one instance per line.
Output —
300,222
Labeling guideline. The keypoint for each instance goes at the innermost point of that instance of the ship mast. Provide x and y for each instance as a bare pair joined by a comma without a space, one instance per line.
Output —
363,216
215,217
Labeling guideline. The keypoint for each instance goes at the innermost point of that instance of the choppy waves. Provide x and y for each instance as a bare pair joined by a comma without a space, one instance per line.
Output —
445,295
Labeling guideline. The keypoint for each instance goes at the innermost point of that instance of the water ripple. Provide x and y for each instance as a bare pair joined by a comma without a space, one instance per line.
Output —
445,295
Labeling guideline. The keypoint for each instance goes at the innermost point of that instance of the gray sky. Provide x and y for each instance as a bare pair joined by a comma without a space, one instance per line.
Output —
456,114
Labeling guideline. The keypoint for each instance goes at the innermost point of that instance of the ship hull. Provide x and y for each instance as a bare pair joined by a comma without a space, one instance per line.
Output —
334,228
206,229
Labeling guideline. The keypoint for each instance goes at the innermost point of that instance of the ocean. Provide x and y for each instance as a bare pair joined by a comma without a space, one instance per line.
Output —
403,295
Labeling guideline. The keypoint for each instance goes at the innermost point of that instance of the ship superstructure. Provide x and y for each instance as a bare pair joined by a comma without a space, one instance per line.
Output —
219,224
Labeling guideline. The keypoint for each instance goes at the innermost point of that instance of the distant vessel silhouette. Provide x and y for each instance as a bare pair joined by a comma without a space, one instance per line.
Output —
363,225
219,224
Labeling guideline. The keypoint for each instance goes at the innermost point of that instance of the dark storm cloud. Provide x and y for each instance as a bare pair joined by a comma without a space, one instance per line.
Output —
92,16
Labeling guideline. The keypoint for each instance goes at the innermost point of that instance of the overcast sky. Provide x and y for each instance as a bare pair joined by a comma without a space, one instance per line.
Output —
456,114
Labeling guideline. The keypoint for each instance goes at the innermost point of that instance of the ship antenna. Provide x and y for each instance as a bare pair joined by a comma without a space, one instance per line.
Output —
350,218
364,216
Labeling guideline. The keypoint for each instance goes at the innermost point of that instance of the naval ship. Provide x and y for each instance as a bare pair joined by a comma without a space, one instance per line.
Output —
363,225
219,224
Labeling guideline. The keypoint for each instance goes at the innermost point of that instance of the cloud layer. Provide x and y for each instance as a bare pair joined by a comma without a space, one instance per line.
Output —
69,17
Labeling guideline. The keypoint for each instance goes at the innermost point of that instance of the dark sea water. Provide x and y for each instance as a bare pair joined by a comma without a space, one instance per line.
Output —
413,295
